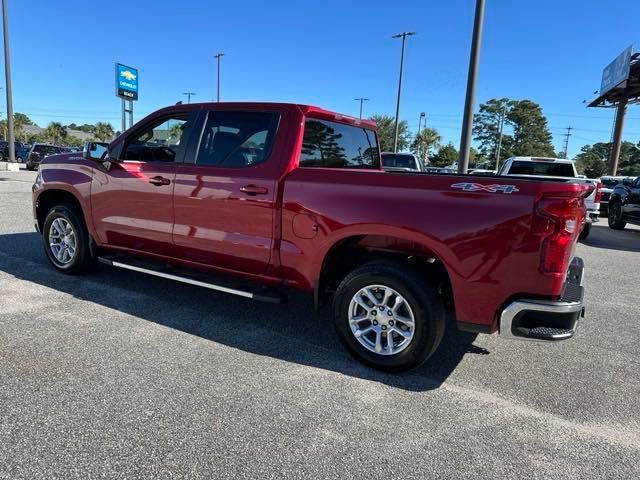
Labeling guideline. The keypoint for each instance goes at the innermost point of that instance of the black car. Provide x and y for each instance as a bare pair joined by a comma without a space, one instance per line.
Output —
38,152
624,204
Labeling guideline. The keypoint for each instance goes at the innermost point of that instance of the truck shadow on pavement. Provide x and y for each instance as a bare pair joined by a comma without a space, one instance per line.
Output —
601,236
293,332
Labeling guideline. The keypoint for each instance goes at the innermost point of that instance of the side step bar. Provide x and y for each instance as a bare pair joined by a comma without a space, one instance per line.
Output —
246,290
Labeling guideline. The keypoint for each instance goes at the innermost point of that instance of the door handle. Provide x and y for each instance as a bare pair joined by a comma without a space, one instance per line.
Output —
254,190
159,181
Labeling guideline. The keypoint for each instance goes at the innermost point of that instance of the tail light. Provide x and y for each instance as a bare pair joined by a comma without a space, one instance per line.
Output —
598,192
559,220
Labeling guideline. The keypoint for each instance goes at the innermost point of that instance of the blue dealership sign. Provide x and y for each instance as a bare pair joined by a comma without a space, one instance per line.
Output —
617,71
126,82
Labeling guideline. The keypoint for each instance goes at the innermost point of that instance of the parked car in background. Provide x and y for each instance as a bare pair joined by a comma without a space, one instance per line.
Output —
624,204
270,195
608,184
400,162
38,152
557,168
20,148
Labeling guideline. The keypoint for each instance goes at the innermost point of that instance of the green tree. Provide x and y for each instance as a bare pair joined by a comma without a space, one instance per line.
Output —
486,128
421,146
589,163
74,141
628,162
87,128
22,118
55,132
446,155
103,131
531,136
386,132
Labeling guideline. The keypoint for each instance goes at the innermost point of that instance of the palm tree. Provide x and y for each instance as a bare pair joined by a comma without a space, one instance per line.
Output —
427,139
103,131
55,132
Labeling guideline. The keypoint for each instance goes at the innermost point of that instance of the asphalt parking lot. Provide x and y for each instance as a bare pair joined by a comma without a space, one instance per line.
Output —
119,375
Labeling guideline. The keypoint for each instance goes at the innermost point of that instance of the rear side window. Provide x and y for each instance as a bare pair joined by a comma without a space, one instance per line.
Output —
549,169
399,161
237,139
336,145
46,149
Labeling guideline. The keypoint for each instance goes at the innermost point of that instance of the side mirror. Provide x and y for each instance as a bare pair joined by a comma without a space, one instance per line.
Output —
97,151
627,182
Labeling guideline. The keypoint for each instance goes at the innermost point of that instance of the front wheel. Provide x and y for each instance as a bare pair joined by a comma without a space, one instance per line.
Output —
388,316
66,240
616,220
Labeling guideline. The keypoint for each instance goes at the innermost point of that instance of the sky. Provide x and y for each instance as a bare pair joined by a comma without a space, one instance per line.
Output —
322,53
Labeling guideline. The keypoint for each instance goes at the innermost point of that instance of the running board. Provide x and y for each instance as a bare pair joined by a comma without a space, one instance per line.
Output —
199,279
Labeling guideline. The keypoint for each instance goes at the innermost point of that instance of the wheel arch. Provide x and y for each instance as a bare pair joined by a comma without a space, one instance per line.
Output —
349,252
49,198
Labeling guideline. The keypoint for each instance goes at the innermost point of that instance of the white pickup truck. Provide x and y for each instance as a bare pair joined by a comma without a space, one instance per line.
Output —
557,168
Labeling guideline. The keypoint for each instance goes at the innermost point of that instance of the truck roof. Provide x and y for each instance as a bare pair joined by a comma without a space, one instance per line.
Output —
306,109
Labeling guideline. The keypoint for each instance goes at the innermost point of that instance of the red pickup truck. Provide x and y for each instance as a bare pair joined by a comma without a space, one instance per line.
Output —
255,198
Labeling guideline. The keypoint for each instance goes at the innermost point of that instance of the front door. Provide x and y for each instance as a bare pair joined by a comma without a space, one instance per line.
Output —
224,202
132,199
632,206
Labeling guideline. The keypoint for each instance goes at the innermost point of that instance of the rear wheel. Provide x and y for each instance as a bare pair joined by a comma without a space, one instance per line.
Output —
66,240
615,217
388,316
30,166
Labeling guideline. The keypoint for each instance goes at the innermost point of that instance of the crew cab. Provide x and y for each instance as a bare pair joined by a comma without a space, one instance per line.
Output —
557,168
254,199
624,204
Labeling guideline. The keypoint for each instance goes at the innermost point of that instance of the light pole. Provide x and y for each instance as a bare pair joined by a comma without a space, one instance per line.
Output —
499,147
189,95
474,57
361,100
7,73
218,57
404,36
422,115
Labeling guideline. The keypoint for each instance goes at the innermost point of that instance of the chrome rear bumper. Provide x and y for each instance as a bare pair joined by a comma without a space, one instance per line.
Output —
547,320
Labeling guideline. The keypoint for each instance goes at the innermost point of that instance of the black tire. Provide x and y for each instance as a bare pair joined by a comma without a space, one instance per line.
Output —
586,230
82,260
615,217
30,166
421,296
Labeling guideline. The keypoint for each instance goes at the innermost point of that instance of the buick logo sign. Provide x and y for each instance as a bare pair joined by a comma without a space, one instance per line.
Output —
478,187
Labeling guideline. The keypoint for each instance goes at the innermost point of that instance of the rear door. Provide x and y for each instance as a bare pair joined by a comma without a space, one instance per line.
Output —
132,200
225,201
632,206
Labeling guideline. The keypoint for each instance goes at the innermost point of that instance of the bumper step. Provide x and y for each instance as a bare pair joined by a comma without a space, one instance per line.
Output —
194,277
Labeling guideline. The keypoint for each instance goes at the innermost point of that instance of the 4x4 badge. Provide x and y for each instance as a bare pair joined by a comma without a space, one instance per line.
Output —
478,187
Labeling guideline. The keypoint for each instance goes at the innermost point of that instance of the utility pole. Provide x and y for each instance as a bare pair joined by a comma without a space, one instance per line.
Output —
474,58
218,57
565,150
402,35
499,147
7,73
361,100
189,95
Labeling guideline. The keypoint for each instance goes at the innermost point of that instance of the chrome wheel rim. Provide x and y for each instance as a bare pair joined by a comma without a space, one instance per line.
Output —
62,241
381,320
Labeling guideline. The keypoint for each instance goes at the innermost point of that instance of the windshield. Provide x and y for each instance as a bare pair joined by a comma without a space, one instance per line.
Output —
548,169
610,182
399,161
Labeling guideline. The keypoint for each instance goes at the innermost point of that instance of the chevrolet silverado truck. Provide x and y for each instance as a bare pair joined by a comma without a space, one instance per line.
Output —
254,199
560,168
